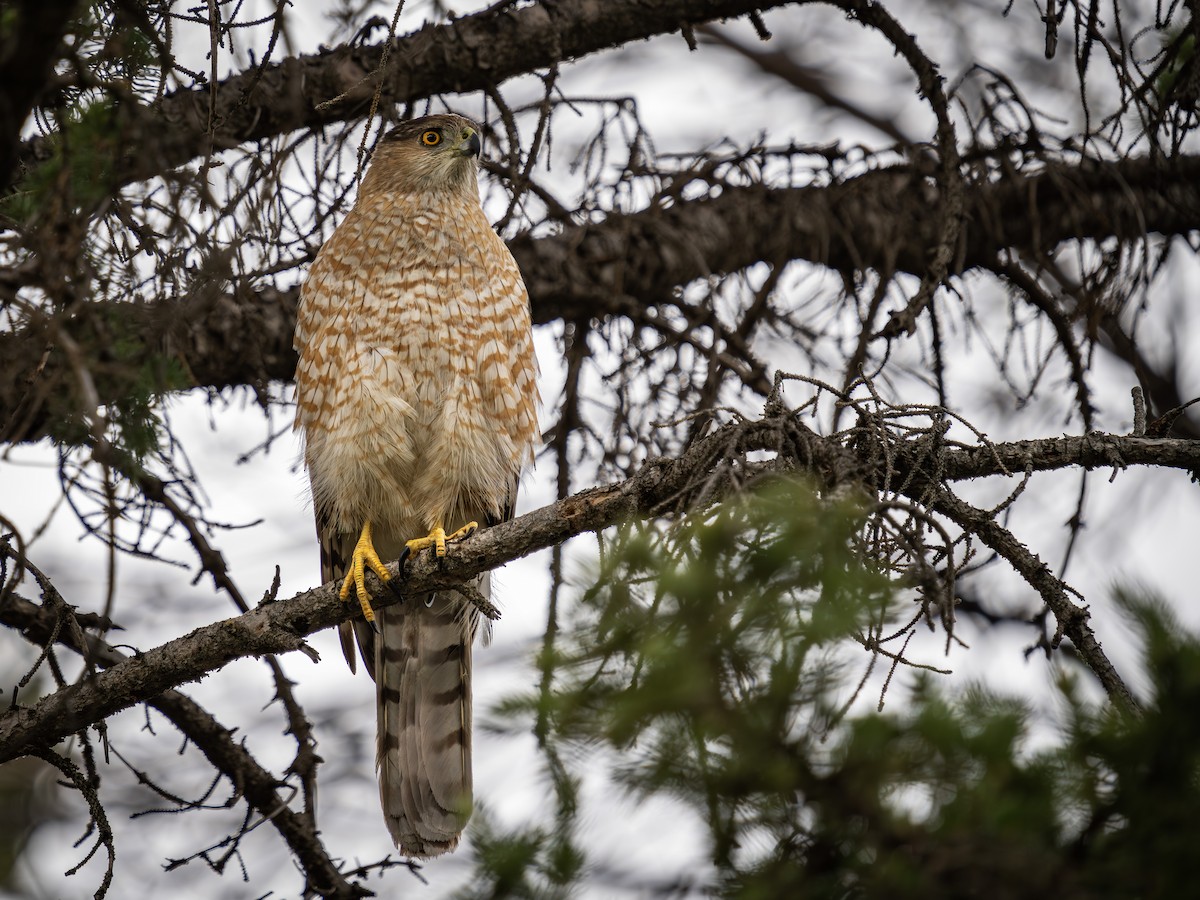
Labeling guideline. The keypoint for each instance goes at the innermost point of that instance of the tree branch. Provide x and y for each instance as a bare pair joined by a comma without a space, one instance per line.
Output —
281,626
1072,617
782,63
260,788
706,472
1090,451
469,54
603,269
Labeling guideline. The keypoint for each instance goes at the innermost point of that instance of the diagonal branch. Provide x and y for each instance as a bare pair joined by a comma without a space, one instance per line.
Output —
709,470
281,626
1072,618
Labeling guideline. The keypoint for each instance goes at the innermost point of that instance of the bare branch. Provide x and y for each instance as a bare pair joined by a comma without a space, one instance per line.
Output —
597,270
1072,617
469,54
39,624
706,472
782,64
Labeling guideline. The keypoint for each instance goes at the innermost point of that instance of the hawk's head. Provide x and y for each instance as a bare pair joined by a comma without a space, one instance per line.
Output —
432,153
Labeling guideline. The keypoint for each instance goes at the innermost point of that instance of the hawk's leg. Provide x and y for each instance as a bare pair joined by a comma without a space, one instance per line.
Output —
364,558
437,539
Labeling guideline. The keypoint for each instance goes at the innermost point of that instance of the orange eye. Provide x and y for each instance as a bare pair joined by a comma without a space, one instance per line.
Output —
431,138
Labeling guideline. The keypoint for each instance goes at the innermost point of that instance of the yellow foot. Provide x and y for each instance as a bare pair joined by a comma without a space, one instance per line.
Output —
437,539
364,557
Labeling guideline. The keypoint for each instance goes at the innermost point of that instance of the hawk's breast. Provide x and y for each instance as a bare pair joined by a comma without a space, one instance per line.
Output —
417,379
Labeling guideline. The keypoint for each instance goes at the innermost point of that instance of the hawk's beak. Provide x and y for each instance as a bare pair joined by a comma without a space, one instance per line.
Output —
470,145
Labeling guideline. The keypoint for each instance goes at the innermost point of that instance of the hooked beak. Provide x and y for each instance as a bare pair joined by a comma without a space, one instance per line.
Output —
471,144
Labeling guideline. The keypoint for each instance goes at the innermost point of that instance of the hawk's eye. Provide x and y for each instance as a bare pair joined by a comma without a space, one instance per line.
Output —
431,138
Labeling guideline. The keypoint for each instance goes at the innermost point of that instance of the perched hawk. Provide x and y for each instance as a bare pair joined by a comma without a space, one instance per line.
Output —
417,396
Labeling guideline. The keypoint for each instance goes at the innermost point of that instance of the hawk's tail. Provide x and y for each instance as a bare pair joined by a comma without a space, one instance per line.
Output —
423,689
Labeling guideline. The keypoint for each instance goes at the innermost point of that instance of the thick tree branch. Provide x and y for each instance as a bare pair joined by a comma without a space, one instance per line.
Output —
707,471
469,54
627,261
1089,451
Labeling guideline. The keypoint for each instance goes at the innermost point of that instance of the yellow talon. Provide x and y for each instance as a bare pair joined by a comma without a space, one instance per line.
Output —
364,557
437,539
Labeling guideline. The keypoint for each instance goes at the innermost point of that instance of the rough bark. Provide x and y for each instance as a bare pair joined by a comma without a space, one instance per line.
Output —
591,271
469,54
710,469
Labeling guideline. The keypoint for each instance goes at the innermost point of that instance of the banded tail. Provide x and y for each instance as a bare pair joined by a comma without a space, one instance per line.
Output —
423,693
421,663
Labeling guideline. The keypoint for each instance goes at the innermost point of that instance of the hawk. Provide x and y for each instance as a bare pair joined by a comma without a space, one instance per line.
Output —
417,399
